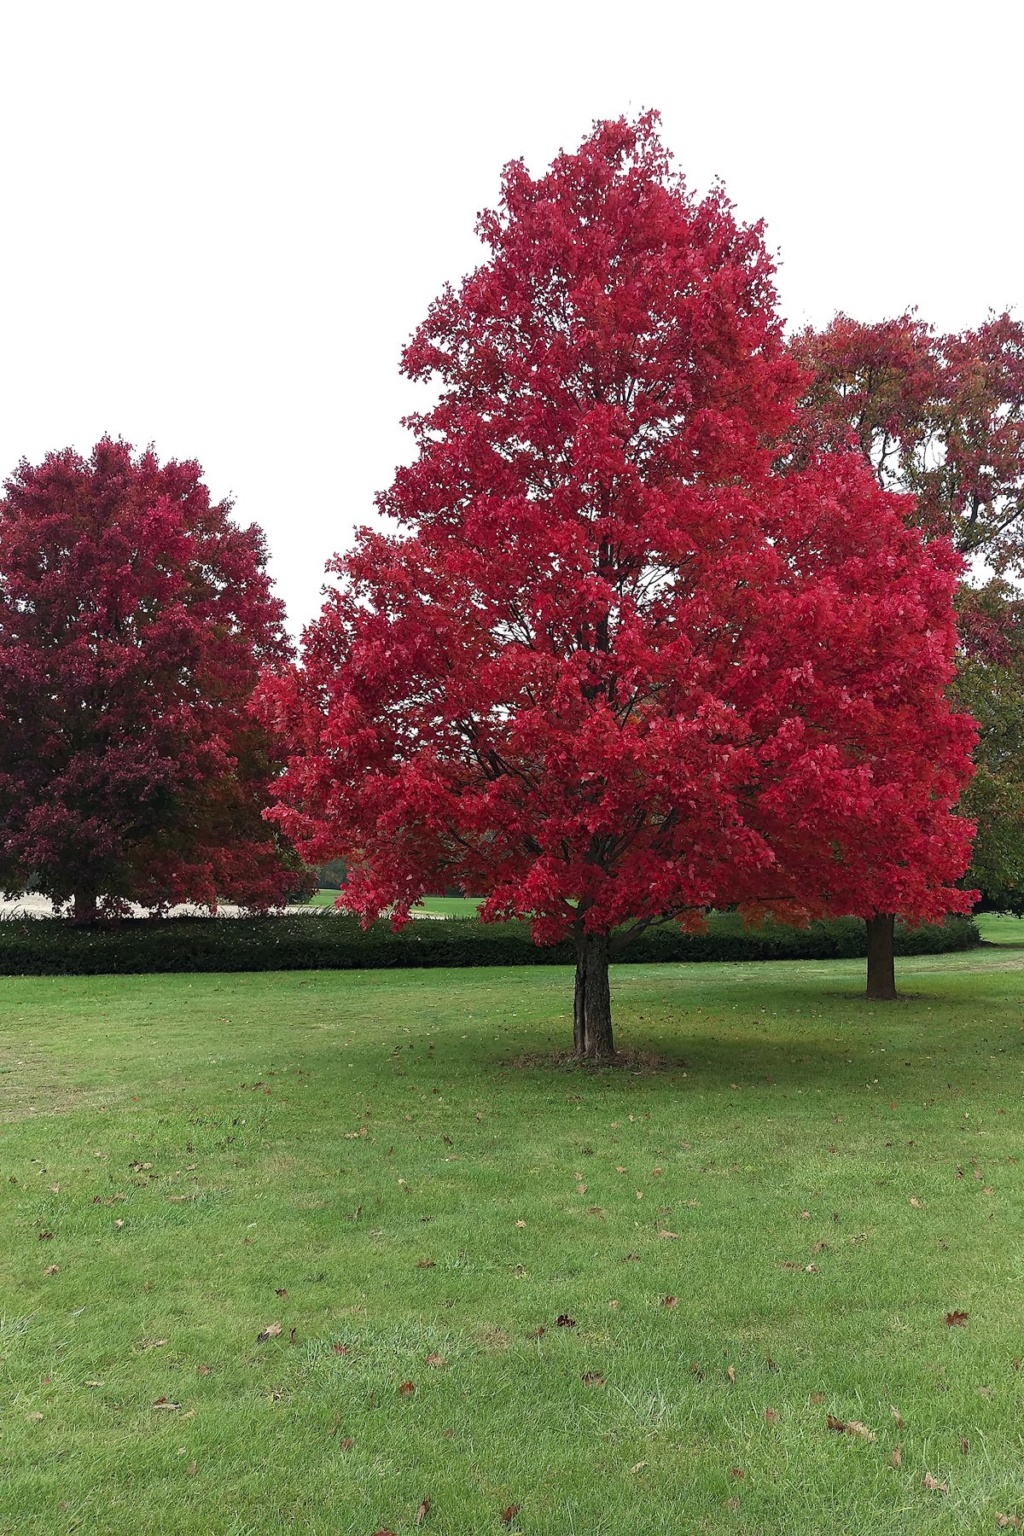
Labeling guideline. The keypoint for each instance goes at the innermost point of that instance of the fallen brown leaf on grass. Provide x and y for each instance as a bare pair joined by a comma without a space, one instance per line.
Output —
581,1189
737,1473
537,1333
897,1456
45,1237
282,1292
663,1233
916,1203
596,1210
168,1407
118,1224
437,1361
192,1469
933,1484
956,1319
152,1343
202,1370
426,1264
383,1532
965,1445
509,1514
340,1349
897,1416
732,1505
593,1379
638,1466
422,1512
848,1427
816,1399
346,1444
34,1418
1012,1522
565,1321
731,1373
52,1269
406,1389
271,1331
520,1224
670,1301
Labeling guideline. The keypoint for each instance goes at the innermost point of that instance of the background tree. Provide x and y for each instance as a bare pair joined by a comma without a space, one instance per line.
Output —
134,620
942,418
612,669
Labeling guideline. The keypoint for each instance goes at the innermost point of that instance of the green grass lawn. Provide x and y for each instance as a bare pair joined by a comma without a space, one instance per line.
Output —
385,1173
444,906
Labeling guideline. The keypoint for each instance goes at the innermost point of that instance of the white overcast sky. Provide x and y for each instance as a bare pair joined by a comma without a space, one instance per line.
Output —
223,219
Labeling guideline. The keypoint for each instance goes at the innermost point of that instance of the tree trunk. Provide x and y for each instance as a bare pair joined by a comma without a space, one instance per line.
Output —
881,964
85,907
592,1001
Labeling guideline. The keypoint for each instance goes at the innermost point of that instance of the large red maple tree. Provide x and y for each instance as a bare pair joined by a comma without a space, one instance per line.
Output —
613,669
135,618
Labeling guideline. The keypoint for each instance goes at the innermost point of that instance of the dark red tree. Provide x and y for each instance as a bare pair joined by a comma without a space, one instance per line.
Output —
941,417
135,617
613,669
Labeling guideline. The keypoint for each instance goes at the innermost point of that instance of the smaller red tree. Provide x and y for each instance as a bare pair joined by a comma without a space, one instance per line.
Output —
941,418
614,668
135,617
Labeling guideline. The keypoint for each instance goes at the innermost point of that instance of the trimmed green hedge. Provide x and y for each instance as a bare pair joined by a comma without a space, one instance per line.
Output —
52,947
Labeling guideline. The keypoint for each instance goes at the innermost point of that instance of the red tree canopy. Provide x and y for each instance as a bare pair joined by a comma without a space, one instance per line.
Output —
941,417
134,620
613,668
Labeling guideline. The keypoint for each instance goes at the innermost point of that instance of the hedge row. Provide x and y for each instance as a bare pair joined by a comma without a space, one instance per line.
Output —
51,947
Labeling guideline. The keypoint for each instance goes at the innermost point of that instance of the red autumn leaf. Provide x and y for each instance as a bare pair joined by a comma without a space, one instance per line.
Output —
956,1319
509,1513
340,1349
406,1389
838,1425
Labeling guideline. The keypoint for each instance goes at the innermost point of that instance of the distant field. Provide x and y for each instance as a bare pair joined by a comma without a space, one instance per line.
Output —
291,1251
448,906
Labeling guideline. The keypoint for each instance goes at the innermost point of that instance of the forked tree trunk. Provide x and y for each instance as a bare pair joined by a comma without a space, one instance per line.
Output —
592,1000
881,962
84,910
